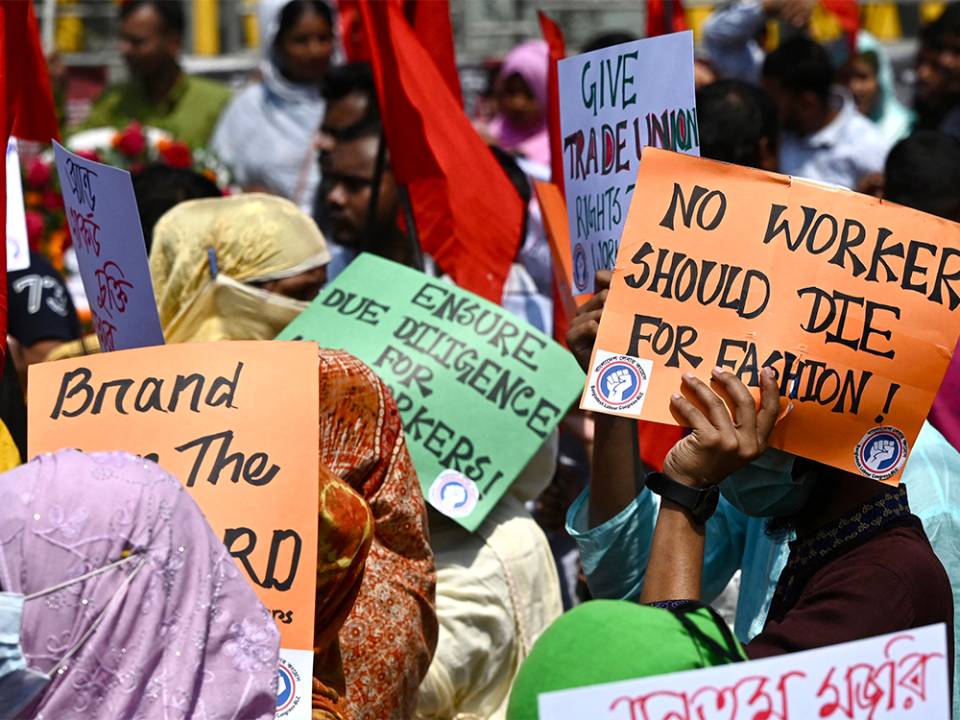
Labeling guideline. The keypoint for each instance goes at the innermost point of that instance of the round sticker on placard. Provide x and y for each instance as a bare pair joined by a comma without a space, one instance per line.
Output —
620,383
580,276
287,698
454,494
881,453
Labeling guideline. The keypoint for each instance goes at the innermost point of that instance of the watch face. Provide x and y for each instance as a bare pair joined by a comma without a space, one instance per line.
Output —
707,505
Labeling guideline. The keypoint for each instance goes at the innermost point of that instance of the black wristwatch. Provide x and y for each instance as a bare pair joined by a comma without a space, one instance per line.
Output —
701,502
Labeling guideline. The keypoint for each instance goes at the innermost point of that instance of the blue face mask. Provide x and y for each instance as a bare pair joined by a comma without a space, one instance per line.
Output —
19,685
765,488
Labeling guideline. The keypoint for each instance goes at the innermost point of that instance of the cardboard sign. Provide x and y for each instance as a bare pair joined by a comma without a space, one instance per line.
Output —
239,434
613,103
478,390
105,227
18,247
901,675
852,301
554,211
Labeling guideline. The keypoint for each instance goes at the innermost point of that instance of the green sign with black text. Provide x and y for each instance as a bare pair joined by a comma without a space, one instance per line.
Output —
478,389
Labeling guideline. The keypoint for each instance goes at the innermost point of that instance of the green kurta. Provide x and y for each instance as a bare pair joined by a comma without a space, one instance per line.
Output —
189,111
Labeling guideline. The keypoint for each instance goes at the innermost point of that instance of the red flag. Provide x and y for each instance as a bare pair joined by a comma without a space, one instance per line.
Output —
4,123
657,21
558,51
468,214
848,15
34,116
431,22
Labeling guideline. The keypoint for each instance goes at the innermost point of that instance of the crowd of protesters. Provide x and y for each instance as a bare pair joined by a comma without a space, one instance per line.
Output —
417,617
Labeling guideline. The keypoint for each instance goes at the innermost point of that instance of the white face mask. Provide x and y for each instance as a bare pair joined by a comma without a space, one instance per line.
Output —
765,487
19,684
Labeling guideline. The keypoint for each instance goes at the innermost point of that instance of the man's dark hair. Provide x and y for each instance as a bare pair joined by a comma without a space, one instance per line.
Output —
733,117
159,187
354,78
923,172
293,11
932,35
607,39
170,11
801,65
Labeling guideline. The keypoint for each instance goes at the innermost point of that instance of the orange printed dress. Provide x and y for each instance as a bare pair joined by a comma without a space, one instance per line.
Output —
390,636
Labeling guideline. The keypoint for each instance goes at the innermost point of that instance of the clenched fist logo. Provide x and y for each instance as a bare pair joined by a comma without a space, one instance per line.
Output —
881,451
618,382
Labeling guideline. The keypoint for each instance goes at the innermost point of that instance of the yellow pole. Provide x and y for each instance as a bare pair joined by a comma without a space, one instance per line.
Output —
206,27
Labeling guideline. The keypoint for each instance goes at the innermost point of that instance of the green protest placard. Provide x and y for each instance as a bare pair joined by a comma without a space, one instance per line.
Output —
478,389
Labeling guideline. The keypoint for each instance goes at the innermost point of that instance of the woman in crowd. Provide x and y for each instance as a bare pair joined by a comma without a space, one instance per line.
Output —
266,134
497,591
236,268
521,123
242,268
871,82
130,604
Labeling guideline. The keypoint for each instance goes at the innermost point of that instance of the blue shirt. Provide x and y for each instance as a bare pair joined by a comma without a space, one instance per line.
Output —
614,555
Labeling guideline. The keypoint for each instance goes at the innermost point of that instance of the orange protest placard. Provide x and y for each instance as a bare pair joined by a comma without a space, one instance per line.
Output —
852,301
554,209
240,433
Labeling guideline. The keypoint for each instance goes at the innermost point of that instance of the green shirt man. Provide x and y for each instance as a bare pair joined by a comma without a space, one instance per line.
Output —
159,93
189,111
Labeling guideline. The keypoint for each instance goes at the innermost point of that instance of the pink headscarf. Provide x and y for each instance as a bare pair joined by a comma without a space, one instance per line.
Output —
530,60
175,632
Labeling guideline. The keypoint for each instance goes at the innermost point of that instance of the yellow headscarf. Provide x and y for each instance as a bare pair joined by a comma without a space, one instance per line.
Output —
252,238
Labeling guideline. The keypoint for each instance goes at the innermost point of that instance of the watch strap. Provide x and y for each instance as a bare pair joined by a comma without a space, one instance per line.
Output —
665,486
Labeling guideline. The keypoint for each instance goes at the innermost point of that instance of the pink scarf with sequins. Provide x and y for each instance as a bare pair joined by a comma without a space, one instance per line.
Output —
175,632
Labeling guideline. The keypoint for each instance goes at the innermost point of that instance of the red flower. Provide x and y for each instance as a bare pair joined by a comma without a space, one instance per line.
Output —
131,141
34,226
91,155
136,168
38,174
177,154
52,201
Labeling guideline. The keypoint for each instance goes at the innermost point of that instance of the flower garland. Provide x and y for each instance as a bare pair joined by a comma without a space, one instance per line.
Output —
133,148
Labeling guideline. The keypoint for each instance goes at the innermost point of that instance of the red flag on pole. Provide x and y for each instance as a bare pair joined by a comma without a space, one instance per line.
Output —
5,124
430,20
468,214
34,116
431,23
657,17
558,51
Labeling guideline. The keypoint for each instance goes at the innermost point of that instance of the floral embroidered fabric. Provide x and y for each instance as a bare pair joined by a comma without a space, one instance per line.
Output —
181,633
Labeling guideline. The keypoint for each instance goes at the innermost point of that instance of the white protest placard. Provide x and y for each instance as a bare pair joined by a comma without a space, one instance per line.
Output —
105,227
902,675
18,247
613,103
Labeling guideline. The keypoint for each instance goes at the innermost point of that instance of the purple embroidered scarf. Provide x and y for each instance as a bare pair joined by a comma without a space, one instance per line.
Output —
175,632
